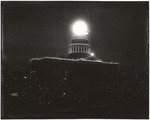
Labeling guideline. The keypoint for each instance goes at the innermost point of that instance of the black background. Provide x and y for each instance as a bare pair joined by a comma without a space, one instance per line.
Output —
118,31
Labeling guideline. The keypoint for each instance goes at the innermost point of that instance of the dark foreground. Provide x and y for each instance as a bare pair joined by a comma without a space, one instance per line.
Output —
128,109
71,89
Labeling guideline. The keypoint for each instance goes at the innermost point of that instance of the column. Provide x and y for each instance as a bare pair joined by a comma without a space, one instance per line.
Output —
76,48
80,48
88,49
73,49
83,49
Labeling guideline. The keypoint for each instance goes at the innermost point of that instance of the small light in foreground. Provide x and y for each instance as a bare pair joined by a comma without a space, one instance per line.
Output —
14,94
80,28
92,54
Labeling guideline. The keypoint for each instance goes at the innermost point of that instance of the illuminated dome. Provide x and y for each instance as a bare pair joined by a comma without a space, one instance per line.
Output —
79,46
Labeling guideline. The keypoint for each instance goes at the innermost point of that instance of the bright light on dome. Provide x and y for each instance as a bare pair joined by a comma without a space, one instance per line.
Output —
80,28
92,54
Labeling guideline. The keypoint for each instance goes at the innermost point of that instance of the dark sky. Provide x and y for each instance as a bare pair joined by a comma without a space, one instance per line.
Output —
118,31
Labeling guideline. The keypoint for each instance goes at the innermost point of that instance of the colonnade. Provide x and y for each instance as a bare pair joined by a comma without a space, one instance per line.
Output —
81,49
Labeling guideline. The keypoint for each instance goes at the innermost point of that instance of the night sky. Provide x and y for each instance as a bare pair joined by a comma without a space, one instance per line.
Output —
118,31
